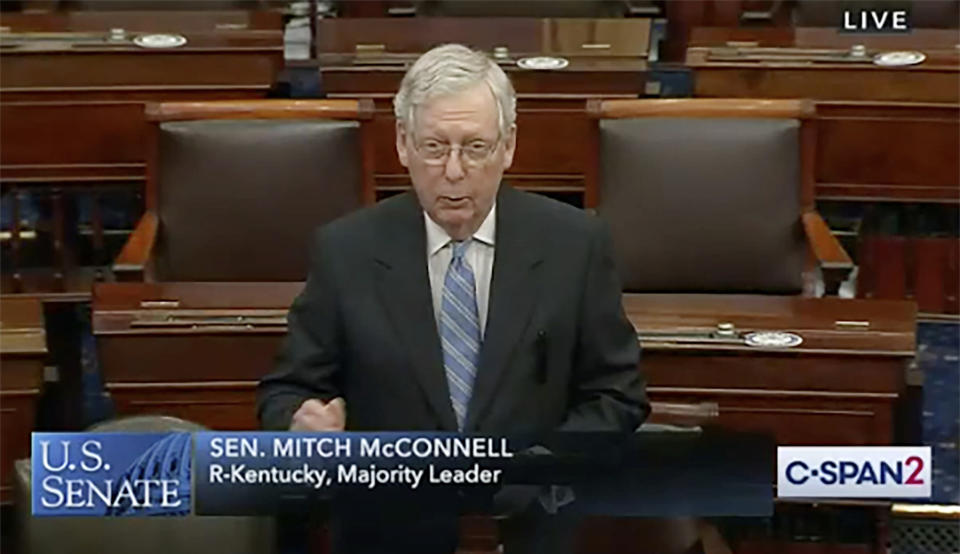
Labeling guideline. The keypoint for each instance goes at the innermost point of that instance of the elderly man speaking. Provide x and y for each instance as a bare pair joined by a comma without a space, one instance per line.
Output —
463,305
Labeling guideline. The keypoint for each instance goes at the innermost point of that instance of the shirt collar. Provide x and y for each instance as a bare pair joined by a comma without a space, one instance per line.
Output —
437,238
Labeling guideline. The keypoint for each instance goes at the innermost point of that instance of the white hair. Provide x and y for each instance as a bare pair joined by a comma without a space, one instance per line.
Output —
449,69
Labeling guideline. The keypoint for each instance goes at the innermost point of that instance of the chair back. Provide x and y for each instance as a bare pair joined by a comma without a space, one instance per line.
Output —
239,186
703,195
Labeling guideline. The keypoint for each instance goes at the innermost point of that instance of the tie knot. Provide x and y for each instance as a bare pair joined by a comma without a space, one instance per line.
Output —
459,248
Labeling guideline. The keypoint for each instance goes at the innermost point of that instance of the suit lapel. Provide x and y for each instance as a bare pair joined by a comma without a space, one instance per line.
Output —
403,284
513,294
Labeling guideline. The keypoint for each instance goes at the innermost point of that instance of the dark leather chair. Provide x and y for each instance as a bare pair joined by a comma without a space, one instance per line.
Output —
234,188
712,196
143,535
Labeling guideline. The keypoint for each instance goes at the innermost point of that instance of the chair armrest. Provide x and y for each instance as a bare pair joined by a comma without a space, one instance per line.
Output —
137,252
834,262
683,415
825,246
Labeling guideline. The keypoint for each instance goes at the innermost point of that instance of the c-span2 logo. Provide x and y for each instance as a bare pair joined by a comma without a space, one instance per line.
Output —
853,472
111,474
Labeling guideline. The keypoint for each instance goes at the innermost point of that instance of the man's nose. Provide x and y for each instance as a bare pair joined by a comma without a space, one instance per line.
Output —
454,167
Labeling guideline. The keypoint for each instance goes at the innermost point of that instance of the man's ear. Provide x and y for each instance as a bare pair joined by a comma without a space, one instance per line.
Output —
402,152
509,147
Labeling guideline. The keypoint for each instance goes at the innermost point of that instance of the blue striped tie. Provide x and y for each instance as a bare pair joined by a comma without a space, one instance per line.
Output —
460,330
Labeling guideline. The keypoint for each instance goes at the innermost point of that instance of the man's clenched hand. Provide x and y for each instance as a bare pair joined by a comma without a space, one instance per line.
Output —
316,415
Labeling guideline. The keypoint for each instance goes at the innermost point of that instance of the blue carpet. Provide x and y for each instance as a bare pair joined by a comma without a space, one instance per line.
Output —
97,404
938,356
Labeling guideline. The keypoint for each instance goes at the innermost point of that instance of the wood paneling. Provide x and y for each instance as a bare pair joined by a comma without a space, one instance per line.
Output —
205,370
868,150
145,20
17,415
841,83
106,133
920,268
222,406
22,353
392,37
225,354
39,72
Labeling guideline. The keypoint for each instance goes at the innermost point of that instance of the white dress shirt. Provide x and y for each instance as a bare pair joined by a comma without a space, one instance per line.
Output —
479,255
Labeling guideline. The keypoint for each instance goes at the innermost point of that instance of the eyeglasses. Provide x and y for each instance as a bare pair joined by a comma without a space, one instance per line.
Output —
474,153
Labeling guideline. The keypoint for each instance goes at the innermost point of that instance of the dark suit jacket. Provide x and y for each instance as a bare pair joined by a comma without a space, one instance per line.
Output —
558,351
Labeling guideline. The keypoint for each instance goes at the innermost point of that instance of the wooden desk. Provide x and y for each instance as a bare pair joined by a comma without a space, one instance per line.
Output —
72,101
73,97
882,133
190,350
23,349
744,62
841,386
887,134
366,58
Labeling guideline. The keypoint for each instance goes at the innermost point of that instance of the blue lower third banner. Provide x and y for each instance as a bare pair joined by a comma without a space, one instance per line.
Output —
111,474
643,474
260,473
